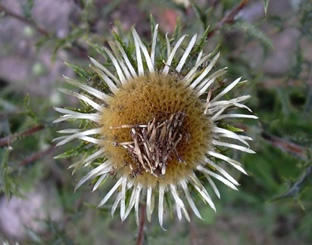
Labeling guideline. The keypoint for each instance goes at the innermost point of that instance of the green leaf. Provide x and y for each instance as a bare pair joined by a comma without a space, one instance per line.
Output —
169,201
98,48
80,3
28,110
305,17
153,23
199,13
299,186
202,41
73,152
254,32
7,184
208,215
27,8
233,128
177,29
41,42
266,5
79,71
298,62
69,41
127,49
110,7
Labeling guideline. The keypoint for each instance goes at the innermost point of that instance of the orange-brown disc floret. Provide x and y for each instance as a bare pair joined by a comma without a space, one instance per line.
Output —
156,99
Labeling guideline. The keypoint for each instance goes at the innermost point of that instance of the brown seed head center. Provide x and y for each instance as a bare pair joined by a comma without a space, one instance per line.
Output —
154,144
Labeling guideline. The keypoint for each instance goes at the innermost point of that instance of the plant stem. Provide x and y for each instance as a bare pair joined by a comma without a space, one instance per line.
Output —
8,140
229,18
192,227
140,237
24,20
36,156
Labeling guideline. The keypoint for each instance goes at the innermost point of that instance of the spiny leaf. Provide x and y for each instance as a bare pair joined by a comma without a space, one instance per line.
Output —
7,183
199,13
110,6
232,128
128,49
202,41
177,29
42,41
98,48
27,8
305,26
79,71
266,5
28,110
80,3
169,204
300,185
153,23
70,40
254,32
298,62
74,152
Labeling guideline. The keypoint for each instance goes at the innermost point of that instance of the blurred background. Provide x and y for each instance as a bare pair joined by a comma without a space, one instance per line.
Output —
268,42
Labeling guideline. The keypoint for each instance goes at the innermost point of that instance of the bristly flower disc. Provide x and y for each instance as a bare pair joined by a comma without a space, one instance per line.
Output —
156,130
156,125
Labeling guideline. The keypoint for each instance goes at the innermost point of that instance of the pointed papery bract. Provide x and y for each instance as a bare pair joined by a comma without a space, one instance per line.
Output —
153,125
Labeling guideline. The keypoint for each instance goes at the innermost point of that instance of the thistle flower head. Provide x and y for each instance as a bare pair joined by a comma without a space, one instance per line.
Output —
157,124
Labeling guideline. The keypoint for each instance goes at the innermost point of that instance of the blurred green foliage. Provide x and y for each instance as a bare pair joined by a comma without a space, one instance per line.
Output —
274,204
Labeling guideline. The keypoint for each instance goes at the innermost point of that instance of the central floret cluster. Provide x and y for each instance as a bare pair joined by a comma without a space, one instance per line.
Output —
156,129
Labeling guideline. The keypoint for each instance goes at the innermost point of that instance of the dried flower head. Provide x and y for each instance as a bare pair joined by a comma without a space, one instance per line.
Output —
157,124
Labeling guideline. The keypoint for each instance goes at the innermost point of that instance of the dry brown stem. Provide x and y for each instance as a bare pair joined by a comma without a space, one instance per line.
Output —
24,20
228,19
36,156
8,140
140,238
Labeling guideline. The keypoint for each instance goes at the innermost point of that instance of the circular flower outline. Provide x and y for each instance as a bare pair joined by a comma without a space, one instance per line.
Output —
127,68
